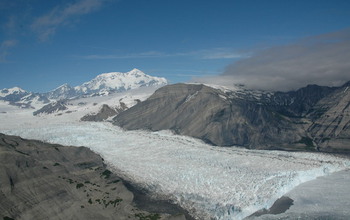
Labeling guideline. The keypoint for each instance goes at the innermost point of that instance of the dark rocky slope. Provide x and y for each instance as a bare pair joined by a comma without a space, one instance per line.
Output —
330,117
46,181
52,108
104,113
281,120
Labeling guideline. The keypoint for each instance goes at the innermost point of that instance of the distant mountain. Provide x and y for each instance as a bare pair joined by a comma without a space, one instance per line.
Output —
62,92
118,82
102,85
311,118
107,83
21,98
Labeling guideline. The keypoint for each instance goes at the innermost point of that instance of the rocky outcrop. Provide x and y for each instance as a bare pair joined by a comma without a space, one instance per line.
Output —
47,181
289,120
299,103
104,113
331,121
52,108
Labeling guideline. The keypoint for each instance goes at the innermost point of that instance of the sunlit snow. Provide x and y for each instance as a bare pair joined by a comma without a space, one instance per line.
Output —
212,182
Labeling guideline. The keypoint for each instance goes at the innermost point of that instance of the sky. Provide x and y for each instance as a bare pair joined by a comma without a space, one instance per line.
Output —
271,44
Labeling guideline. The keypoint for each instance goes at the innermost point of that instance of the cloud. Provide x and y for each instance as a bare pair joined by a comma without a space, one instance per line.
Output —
322,60
150,54
46,25
220,53
205,54
4,49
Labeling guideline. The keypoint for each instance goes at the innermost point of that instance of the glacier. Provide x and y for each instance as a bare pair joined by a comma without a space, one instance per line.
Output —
211,182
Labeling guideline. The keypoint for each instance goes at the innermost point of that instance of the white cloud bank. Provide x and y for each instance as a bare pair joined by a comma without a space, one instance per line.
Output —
322,60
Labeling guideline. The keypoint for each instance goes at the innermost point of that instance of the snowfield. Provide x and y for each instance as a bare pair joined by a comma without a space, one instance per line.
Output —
211,182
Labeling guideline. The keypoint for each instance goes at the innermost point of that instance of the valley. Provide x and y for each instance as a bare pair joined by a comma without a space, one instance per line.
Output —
158,155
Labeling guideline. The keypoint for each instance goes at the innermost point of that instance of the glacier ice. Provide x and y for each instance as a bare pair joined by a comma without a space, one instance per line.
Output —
212,182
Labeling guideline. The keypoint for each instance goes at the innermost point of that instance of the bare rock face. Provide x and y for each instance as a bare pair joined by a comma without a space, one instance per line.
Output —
104,113
331,121
311,118
46,181
212,115
299,103
52,108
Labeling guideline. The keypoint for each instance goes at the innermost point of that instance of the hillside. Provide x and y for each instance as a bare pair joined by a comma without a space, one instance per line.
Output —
311,118
50,181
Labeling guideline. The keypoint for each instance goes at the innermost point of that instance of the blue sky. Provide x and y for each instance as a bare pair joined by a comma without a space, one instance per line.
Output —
44,44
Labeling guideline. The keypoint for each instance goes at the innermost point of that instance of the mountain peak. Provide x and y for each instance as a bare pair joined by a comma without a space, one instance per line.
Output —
119,82
112,75
64,86
61,92
136,72
14,90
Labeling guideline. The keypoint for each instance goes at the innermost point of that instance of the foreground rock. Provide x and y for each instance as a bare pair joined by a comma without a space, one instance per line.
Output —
311,118
46,181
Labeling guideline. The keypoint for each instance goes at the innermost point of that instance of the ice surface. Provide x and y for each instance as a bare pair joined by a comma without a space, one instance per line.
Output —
13,117
326,197
211,182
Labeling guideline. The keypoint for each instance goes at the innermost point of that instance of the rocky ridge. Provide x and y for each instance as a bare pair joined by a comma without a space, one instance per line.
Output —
104,113
311,118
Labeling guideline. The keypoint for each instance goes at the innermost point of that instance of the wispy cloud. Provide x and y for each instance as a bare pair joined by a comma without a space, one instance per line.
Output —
322,60
46,25
187,72
221,53
205,54
4,49
150,54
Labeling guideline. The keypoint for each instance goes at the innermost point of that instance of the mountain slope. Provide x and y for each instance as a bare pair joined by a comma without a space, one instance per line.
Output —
210,114
331,124
47,181
269,121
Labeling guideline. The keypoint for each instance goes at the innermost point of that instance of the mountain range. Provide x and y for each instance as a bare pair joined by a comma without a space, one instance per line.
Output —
102,85
313,118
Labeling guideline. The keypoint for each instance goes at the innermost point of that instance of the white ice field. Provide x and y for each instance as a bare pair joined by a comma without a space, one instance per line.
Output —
211,182
222,183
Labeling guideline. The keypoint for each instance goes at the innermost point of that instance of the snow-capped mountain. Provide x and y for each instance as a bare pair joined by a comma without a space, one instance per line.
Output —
107,83
12,93
62,92
24,99
102,85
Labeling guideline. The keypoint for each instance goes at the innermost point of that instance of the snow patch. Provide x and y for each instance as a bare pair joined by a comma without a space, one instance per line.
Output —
188,98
